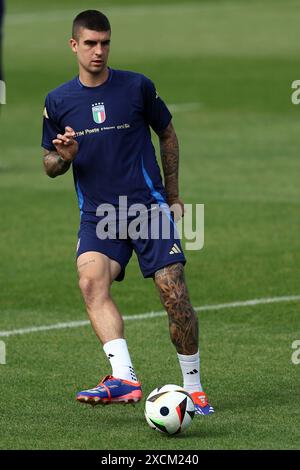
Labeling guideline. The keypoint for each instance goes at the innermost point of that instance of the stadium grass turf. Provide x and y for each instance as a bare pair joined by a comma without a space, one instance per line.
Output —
234,63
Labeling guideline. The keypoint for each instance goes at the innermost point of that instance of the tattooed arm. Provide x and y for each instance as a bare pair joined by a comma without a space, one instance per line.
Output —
59,161
169,150
54,165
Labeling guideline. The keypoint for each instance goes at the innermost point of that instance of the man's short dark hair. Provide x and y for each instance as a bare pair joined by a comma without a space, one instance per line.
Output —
90,19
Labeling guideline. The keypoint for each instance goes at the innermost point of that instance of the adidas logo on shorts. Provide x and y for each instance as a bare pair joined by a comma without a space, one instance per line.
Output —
175,249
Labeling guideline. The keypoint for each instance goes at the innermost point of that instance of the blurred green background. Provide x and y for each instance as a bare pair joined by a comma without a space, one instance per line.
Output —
225,68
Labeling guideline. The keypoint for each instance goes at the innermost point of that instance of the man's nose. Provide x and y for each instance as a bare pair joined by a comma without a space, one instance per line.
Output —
98,49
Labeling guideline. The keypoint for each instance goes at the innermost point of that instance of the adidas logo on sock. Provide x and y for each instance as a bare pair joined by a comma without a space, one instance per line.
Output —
175,249
192,372
132,373
110,356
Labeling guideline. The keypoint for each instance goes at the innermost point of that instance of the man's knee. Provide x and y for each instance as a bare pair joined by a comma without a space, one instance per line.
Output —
93,288
172,288
170,280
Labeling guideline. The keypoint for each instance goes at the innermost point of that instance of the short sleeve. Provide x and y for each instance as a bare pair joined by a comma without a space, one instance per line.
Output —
50,125
156,112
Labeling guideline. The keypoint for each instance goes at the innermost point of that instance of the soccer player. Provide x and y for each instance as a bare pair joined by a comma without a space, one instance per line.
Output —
99,123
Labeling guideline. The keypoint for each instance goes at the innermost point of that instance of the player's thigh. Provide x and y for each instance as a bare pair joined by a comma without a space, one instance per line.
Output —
98,267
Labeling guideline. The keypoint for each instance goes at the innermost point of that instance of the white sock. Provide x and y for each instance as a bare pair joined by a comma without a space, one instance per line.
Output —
117,352
190,368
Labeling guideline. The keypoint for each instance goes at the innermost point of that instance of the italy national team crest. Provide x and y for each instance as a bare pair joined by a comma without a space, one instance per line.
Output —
99,112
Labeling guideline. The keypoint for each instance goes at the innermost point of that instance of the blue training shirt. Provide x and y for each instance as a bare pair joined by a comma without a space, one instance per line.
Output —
116,156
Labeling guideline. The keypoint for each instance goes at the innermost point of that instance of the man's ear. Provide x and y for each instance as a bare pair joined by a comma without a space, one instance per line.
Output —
73,44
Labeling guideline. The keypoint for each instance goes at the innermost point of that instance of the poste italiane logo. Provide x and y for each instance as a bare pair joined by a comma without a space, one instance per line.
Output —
98,110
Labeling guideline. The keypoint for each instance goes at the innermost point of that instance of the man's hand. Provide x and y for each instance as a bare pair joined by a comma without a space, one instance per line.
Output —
58,162
177,208
66,145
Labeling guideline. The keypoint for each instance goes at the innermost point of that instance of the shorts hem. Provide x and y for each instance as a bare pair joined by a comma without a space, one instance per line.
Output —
148,274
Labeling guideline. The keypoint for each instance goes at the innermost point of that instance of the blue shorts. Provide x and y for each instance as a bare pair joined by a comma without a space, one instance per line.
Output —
155,249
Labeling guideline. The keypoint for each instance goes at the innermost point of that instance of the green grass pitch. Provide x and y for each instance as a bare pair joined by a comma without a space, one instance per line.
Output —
230,65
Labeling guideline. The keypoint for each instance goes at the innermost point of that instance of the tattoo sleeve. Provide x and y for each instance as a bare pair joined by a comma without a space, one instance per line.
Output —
54,165
183,322
169,150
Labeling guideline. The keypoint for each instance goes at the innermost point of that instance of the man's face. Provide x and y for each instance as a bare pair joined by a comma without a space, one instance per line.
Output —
92,49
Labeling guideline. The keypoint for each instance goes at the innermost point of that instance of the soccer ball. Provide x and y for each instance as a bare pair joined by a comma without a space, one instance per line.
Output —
169,409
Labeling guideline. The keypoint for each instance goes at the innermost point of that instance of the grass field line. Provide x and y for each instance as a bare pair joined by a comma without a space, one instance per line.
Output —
147,315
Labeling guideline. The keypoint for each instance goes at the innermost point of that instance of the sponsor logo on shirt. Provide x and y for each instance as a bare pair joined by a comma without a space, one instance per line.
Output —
98,130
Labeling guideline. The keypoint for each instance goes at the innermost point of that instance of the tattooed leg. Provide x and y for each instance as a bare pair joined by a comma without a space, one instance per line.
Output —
183,322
